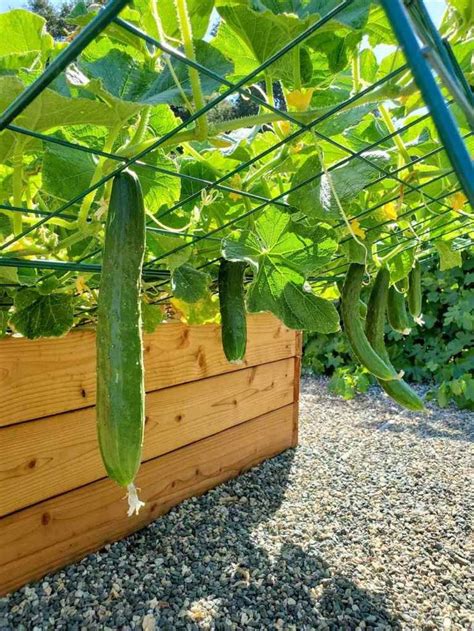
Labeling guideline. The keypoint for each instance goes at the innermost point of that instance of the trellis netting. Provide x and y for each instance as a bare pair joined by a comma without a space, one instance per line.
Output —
297,137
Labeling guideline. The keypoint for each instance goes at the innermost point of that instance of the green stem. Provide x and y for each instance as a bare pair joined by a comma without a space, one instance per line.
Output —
187,34
356,80
268,166
397,139
98,173
271,101
17,184
140,131
297,68
31,251
162,37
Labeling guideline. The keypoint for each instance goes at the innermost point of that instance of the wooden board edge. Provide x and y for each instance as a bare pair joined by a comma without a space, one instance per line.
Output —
64,529
297,385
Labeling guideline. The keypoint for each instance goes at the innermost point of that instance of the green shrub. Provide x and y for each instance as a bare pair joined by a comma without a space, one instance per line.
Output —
440,353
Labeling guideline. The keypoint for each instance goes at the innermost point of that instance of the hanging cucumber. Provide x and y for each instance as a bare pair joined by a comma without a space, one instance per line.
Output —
354,328
232,305
120,387
414,293
397,312
399,390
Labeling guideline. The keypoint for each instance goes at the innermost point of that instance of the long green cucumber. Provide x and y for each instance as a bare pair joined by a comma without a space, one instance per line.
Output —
354,328
397,312
414,292
120,387
232,306
399,390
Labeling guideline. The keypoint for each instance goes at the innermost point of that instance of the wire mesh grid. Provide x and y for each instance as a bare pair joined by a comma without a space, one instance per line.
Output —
398,179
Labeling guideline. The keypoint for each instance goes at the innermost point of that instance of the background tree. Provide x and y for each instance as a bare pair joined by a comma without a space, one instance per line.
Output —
55,16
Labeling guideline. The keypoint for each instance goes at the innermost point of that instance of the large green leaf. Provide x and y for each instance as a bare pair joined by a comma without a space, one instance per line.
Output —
319,198
158,188
42,316
282,259
263,33
199,12
23,39
49,111
354,16
400,265
189,284
126,79
66,172
448,257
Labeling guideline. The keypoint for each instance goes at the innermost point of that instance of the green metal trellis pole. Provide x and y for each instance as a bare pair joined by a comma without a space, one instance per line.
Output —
94,28
442,118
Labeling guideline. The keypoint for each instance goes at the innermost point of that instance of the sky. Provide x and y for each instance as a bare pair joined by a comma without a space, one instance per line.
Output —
435,7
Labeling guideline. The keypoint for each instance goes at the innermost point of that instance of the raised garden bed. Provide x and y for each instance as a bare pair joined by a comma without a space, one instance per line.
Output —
207,420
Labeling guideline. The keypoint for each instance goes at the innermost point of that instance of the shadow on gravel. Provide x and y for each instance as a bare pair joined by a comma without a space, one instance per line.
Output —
293,587
252,588
227,560
437,423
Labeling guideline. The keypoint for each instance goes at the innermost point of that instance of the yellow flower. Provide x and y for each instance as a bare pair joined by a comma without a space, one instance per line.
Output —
458,200
390,211
235,182
300,99
81,286
357,230
297,147
284,127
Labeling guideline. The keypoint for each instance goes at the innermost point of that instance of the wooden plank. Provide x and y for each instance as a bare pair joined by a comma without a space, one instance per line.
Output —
49,456
43,377
55,532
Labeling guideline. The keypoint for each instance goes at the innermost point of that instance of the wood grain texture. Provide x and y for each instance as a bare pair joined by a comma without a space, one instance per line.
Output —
39,378
60,530
49,456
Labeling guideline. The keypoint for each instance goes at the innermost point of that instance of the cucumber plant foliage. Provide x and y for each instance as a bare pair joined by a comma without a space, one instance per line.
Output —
329,210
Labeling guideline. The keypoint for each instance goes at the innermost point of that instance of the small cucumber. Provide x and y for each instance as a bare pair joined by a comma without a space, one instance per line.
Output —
400,391
414,292
120,387
354,328
397,312
232,306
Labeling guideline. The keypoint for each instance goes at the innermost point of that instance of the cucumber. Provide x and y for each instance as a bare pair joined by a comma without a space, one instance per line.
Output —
397,312
414,292
354,328
120,387
232,306
400,391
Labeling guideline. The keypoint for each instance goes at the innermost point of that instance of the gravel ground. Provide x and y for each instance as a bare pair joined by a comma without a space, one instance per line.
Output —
364,526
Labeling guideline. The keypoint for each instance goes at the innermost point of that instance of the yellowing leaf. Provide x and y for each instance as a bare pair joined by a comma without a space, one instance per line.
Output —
203,311
390,211
458,200
330,292
357,230
300,99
